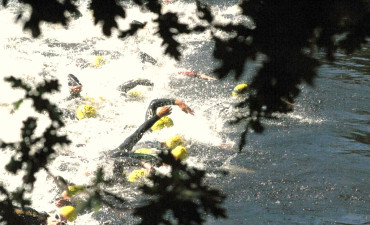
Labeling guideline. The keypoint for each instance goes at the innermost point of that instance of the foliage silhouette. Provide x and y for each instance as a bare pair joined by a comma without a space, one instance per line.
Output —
31,154
181,193
38,159
286,34
105,11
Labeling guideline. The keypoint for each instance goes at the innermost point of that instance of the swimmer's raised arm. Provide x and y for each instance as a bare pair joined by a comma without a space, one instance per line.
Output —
156,103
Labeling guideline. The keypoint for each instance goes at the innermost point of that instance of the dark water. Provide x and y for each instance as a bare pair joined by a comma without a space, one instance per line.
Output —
312,166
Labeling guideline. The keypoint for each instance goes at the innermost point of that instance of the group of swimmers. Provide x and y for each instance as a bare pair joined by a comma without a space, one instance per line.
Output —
125,155
153,121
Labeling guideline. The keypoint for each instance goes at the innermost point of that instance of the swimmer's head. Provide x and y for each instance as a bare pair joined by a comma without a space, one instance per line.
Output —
68,212
136,175
98,62
135,94
138,23
163,122
85,111
180,153
74,190
174,141
240,90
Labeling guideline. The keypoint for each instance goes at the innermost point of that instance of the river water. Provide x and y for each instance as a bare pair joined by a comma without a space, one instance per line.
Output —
309,167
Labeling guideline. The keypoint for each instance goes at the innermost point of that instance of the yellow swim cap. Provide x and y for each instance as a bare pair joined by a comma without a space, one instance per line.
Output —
145,151
135,94
84,111
75,189
99,61
240,90
180,153
163,122
174,141
137,174
68,212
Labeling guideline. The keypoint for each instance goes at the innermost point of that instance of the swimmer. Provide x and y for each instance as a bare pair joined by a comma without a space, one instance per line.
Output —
131,141
225,108
30,216
75,86
179,153
127,146
147,157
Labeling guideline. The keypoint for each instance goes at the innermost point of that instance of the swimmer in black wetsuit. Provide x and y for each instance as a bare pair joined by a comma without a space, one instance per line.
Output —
75,86
31,216
130,142
64,212
150,117
123,154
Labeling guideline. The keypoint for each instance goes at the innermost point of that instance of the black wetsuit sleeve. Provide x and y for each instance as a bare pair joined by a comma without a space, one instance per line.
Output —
30,216
155,104
66,113
125,87
73,80
134,138
147,58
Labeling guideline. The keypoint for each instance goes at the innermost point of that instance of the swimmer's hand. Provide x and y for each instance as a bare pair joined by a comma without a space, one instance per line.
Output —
76,89
149,168
165,111
203,76
184,107
63,202
52,221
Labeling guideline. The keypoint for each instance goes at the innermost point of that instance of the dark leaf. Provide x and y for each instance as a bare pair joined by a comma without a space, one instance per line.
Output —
17,104
154,6
106,11
169,27
4,3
